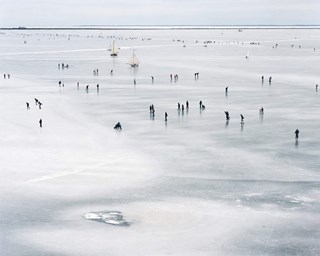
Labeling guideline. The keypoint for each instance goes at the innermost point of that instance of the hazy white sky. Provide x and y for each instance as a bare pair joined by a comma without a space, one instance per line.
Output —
158,12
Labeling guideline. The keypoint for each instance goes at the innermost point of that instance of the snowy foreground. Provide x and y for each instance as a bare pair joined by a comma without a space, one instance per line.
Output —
195,185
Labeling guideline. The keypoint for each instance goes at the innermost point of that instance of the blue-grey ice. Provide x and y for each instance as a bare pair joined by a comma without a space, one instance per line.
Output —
196,185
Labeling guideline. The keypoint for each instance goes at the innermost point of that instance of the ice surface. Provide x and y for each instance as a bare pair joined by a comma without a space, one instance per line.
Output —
195,185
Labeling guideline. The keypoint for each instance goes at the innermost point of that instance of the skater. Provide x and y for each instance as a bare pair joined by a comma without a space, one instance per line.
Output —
171,77
178,106
200,104
152,79
262,79
242,119
316,87
40,123
297,133
60,83
117,126
87,88
270,79
187,105
36,101
111,72
134,81
261,111
226,90
8,76
4,76
165,117
78,85
182,108
97,87
28,106
39,104
227,115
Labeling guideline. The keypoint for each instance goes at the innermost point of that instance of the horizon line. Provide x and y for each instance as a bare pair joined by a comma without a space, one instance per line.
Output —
137,27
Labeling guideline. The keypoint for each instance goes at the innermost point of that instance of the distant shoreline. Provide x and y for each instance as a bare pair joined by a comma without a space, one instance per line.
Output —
137,27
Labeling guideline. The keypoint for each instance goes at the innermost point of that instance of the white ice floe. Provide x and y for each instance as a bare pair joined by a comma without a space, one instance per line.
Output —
109,217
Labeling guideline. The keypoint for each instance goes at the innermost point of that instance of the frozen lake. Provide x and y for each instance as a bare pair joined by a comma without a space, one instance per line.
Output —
194,185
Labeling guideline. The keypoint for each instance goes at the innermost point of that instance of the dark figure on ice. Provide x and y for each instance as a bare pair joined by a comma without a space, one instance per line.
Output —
78,85
97,87
200,104
165,116
28,106
152,79
117,126
111,72
171,77
226,90
4,76
8,76
178,106
262,79
152,111
60,83
36,101
270,80
87,88
242,118
187,105
182,108
227,115
40,123
297,133
261,111
316,87
40,104
134,81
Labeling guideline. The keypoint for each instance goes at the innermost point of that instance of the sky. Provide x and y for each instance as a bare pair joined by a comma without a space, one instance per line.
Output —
30,13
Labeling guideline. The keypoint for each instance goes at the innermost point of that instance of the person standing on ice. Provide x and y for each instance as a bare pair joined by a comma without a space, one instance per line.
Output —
40,123
261,111
165,116
316,87
28,106
297,133
270,80
226,90
227,115
242,119
187,105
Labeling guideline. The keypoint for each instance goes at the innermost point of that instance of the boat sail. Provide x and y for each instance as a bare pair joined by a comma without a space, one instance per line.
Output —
134,62
114,51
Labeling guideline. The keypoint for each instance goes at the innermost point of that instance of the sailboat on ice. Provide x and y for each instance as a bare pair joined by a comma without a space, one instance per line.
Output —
134,61
114,50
